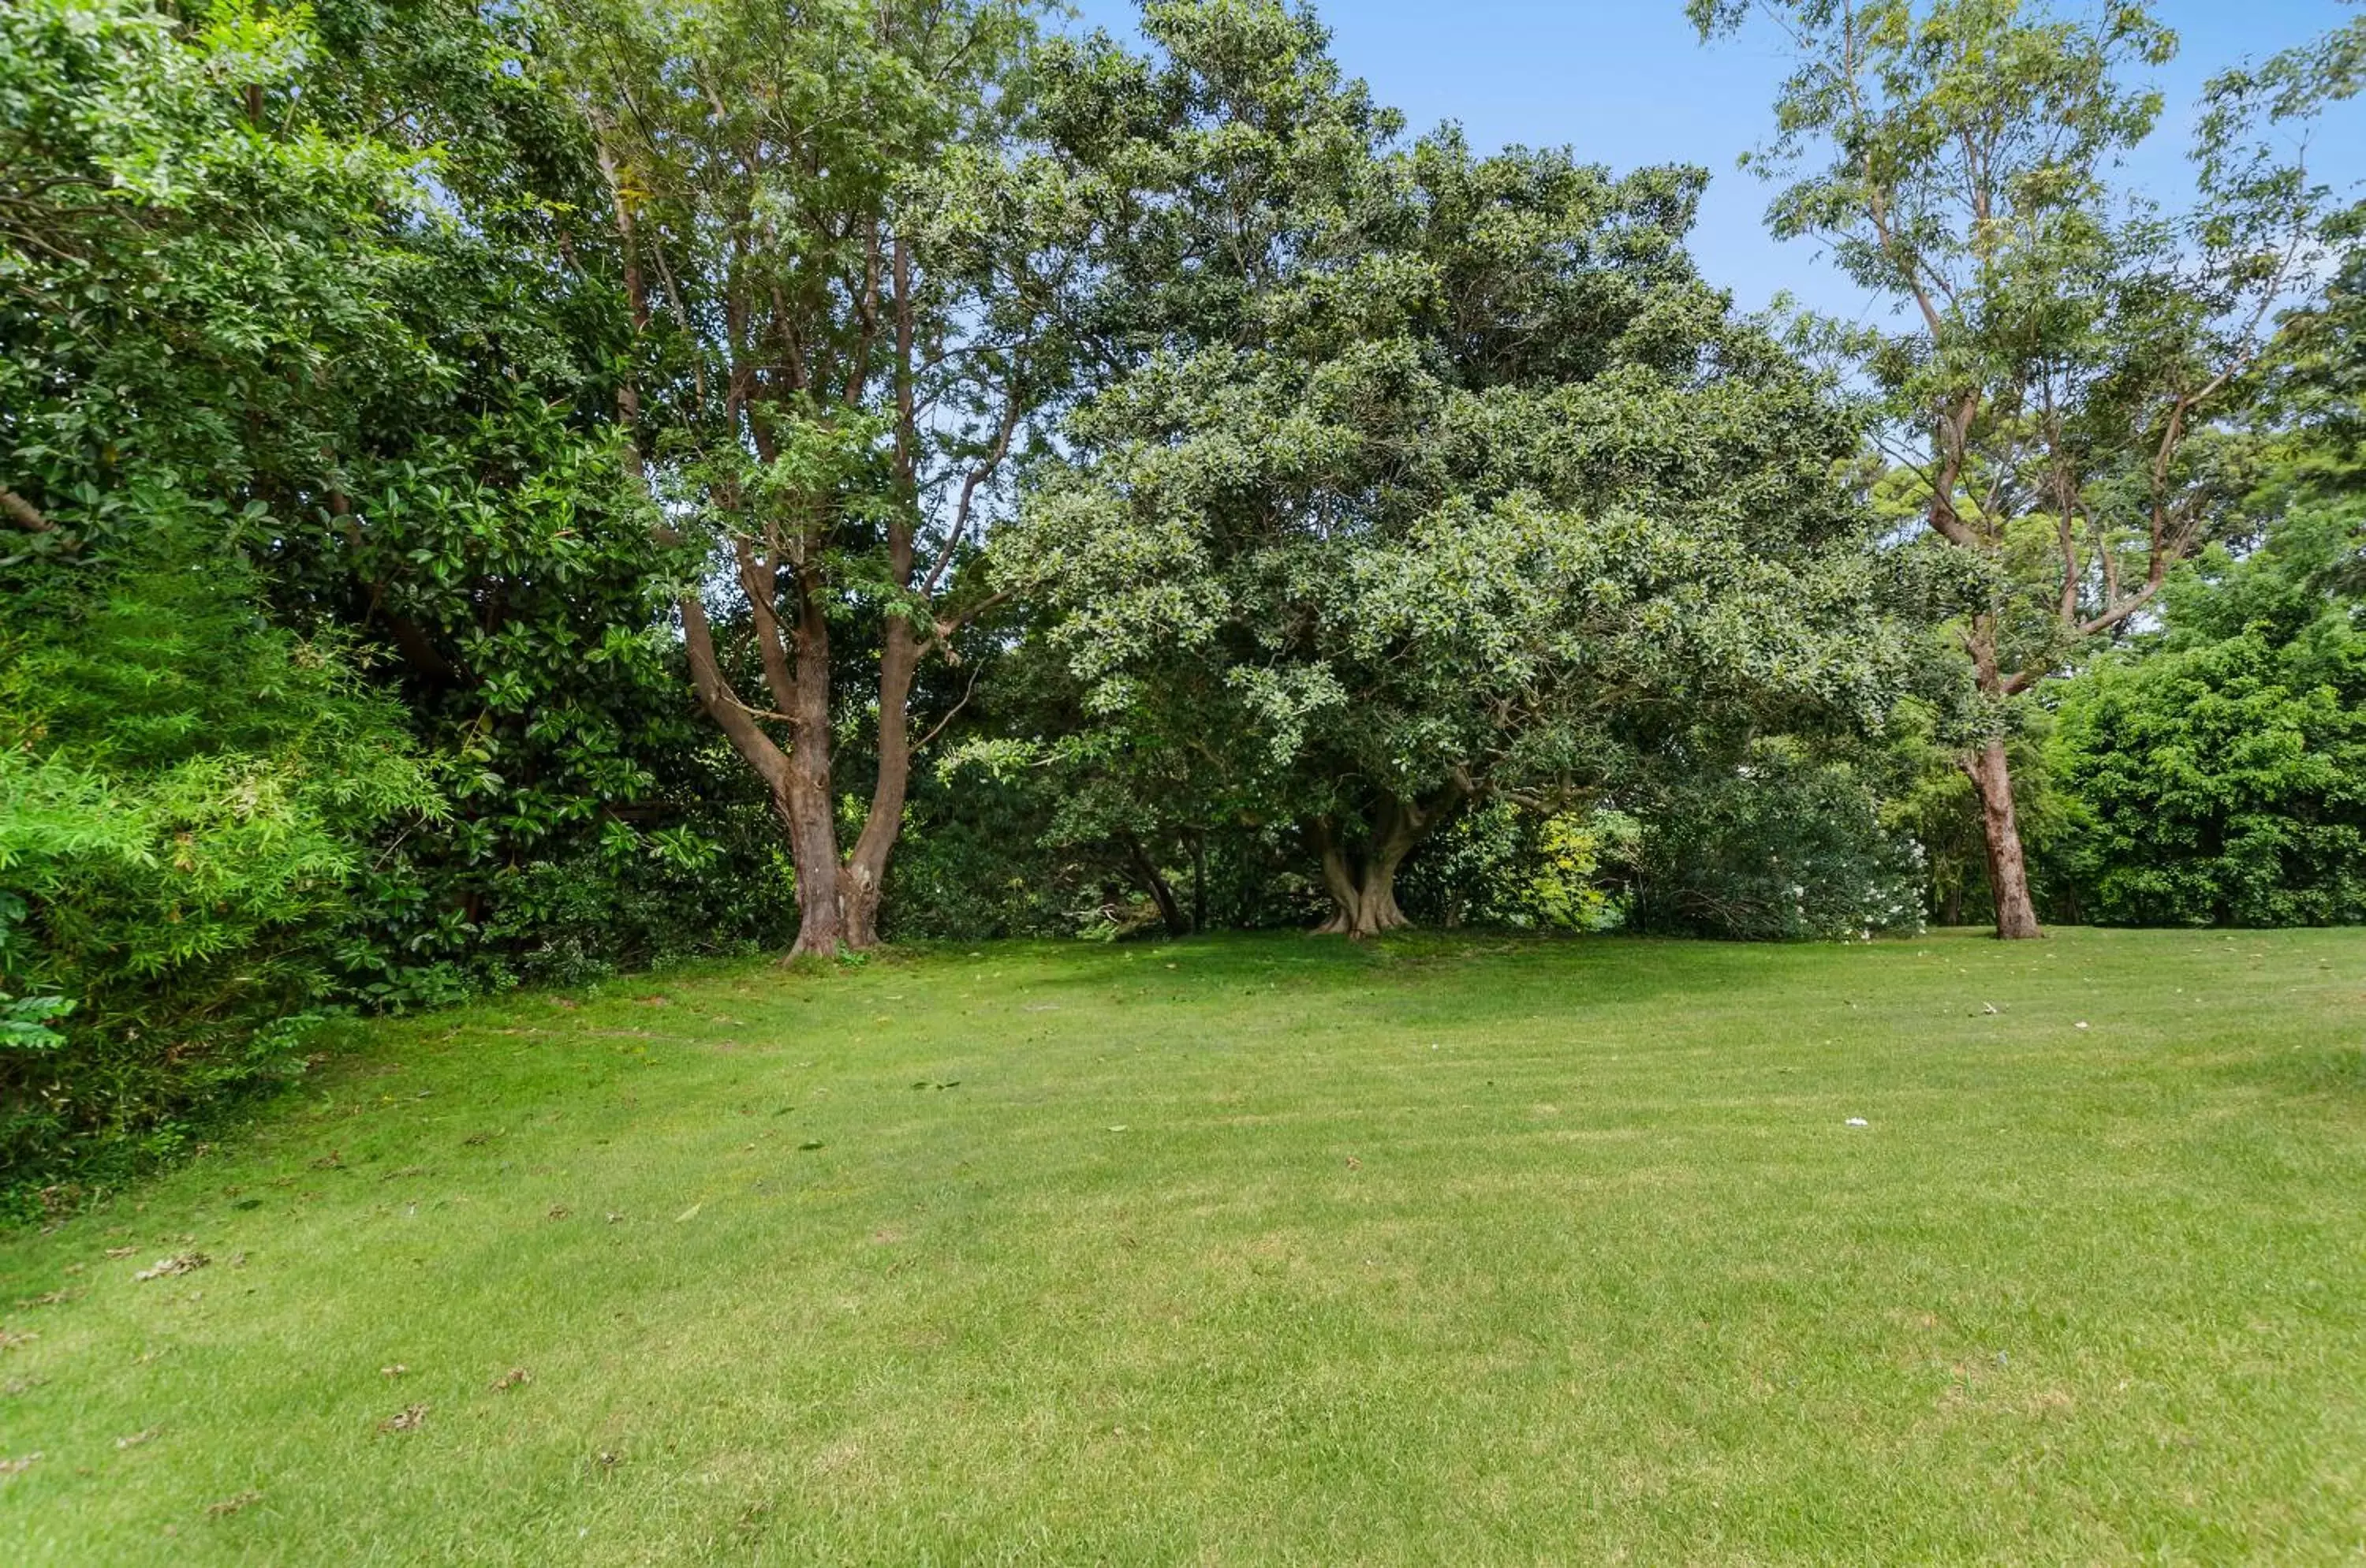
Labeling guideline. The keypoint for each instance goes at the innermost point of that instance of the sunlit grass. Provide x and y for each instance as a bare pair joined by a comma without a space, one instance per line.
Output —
1255,1251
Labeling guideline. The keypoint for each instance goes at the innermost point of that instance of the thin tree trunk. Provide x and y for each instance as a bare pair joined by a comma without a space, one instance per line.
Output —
1154,882
811,813
2016,913
866,876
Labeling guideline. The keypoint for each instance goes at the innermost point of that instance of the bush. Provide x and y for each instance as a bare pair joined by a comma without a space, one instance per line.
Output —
2218,785
1779,849
1505,865
188,797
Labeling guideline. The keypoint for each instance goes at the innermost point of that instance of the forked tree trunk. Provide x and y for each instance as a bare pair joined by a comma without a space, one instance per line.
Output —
1361,874
863,880
2016,913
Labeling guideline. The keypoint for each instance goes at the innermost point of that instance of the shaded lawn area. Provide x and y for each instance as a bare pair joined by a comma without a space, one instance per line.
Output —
1257,1250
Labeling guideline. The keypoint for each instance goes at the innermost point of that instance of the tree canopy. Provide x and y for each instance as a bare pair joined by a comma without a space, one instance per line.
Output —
516,492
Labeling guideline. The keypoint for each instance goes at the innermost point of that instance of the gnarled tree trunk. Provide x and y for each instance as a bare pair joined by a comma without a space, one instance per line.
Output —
1360,872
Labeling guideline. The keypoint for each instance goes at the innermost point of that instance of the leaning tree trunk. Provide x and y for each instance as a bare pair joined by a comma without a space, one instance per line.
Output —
2016,913
1153,881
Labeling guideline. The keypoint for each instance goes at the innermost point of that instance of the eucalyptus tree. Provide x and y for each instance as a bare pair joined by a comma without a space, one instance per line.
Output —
840,283
1414,477
2065,351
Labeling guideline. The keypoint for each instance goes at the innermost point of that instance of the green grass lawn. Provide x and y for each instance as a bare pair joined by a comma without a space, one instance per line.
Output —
1256,1251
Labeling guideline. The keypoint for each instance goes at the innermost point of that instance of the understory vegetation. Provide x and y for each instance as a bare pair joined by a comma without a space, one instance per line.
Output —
499,495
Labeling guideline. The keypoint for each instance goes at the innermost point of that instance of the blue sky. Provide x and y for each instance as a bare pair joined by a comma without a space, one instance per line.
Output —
1625,83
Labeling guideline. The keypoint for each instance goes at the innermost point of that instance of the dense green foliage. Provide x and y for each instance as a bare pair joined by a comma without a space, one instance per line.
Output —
1432,478
499,493
186,799
2215,770
300,411
2218,775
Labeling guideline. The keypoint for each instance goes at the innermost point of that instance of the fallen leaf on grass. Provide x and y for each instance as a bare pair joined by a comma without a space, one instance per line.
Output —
232,1504
333,1160
395,1370
559,1210
179,1263
121,1251
55,1298
1355,1163
510,1379
614,1218
17,1466
688,1213
406,1421
136,1438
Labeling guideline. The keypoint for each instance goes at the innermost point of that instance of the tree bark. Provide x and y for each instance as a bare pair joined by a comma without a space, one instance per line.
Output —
865,876
2016,913
822,926
1153,881
1362,876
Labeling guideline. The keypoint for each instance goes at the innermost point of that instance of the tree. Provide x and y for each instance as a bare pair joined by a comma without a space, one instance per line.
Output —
838,285
470,526
2065,349
2217,766
1420,478
293,311
193,270
191,266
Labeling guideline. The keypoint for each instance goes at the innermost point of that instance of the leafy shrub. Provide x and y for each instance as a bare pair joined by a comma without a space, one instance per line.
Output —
1503,865
1779,849
2217,785
188,797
